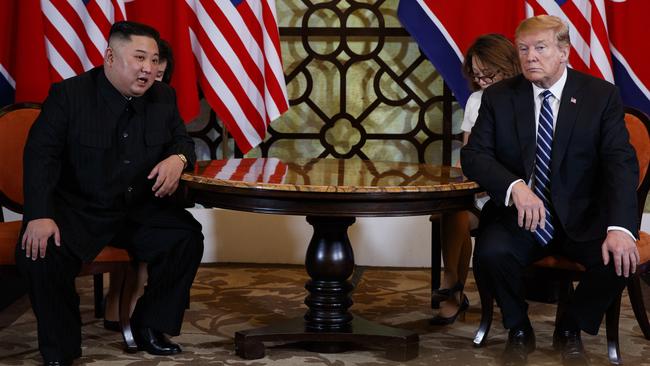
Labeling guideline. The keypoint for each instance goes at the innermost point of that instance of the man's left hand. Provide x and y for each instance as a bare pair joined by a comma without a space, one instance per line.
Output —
623,251
167,174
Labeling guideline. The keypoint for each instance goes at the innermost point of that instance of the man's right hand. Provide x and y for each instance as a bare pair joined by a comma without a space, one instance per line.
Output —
36,236
531,213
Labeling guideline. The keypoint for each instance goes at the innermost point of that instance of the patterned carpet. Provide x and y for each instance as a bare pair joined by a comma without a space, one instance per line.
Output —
228,298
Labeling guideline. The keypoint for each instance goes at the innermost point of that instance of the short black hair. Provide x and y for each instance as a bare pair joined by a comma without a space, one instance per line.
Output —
165,54
125,29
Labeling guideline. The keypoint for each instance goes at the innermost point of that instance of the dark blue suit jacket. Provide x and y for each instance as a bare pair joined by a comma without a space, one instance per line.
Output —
594,171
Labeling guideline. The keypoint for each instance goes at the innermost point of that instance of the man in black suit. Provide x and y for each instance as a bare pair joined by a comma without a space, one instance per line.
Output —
100,161
551,149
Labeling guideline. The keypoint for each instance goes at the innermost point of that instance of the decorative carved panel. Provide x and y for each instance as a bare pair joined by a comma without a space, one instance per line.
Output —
358,87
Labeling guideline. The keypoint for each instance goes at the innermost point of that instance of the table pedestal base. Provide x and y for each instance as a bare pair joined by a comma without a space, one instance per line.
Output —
399,344
328,326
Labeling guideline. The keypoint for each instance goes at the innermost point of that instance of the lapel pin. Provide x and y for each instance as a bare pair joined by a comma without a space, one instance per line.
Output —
573,100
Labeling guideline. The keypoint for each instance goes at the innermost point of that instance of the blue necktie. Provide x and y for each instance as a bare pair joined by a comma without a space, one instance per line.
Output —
543,166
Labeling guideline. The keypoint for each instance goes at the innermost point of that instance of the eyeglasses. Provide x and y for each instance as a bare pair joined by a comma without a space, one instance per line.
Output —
487,78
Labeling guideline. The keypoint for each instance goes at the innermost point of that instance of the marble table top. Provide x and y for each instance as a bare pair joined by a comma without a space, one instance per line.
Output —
329,175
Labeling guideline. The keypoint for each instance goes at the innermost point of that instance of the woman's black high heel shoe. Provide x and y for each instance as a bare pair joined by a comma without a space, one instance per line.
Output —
111,325
441,320
443,294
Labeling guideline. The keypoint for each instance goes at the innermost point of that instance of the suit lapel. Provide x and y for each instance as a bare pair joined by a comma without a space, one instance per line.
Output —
525,124
566,119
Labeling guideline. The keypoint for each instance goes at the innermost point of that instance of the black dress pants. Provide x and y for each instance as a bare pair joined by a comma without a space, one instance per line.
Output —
502,252
173,256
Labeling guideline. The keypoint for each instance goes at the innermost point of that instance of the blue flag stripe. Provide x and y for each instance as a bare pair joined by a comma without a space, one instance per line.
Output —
630,92
6,92
435,46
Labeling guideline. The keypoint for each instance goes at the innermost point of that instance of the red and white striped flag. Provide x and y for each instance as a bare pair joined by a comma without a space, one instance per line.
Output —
231,47
51,40
587,22
270,170
605,41
75,33
236,45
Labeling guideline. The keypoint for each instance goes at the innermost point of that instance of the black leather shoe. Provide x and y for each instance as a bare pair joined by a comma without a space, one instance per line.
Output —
570,345
111,325
521,342
441,320
57,363
154,342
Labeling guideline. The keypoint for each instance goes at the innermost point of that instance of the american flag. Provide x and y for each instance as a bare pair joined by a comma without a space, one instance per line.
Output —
231,48
607,37
587,31
75,33
237,47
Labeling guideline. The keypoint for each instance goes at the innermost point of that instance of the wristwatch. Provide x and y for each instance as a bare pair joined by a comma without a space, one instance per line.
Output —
183,159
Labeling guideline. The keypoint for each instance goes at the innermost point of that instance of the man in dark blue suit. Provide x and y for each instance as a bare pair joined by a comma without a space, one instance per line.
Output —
551,149
100,163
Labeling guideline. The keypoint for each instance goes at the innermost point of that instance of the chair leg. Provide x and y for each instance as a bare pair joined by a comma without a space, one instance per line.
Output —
436,238
611,323
128,289
487,310
638,306
98,290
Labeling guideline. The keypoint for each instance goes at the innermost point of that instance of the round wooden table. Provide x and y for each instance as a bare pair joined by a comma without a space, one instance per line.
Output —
330,193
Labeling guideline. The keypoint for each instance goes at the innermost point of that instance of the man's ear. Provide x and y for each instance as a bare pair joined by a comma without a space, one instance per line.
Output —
564,53
109,56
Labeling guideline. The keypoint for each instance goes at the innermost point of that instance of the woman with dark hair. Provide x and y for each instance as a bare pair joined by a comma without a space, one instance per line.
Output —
491,58
165,62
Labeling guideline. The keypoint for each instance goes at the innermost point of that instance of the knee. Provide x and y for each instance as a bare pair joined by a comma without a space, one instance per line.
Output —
194,244
608,271
490,254
58,262
23,264
27,265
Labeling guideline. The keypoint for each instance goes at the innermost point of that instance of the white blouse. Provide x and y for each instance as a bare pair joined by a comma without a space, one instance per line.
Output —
469,119
471,111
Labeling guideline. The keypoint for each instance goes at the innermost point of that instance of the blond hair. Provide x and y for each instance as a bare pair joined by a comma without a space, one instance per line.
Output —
545,22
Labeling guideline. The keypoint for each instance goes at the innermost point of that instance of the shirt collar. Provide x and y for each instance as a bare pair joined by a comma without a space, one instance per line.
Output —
555,89
115,100
138,104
